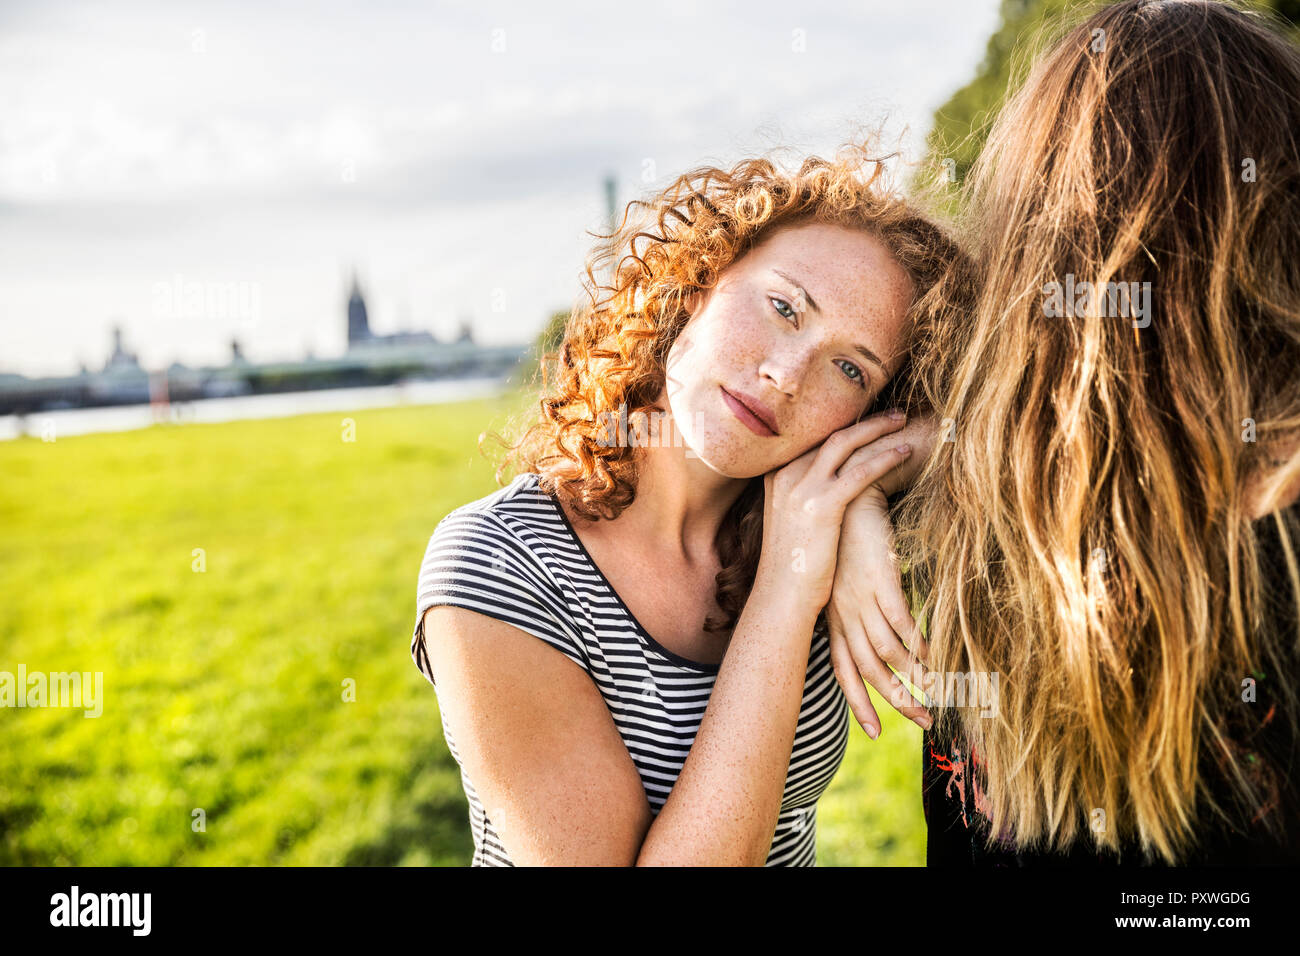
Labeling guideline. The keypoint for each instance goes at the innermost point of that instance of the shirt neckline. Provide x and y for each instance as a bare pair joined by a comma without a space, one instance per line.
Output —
640,628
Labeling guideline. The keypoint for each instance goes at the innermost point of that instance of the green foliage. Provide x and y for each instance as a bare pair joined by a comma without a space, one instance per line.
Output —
551,336
224,689
1028,26
961,124
528,375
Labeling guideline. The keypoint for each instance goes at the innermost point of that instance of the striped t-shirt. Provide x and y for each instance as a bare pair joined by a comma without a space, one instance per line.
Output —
513,555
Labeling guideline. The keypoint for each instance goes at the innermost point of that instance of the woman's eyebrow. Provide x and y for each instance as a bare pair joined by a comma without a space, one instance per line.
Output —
871,355
802,291
813,305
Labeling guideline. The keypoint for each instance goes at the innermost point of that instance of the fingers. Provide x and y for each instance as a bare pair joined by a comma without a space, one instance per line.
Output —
855,692
865,453
874,671
833,452
868,539
852,482
903,628
890,649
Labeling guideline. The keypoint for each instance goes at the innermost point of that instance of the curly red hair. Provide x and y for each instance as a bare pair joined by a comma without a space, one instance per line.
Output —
668,247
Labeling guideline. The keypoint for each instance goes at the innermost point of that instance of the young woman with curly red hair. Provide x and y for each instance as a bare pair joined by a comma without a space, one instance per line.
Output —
674,525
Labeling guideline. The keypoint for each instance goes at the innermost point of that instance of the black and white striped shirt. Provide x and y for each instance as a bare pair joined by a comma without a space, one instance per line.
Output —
513,555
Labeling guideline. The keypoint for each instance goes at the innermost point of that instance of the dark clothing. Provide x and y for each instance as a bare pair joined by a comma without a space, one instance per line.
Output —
1266,750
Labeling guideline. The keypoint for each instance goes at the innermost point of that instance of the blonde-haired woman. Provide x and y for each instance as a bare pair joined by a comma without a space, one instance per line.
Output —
1107,535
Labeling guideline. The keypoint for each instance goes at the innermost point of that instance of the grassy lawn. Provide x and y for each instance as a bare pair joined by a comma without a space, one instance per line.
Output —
225,737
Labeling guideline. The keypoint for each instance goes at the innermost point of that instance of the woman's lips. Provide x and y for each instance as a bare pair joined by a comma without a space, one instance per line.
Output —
753,423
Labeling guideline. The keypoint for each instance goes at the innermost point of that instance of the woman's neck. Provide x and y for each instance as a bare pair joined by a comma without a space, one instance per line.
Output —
679,506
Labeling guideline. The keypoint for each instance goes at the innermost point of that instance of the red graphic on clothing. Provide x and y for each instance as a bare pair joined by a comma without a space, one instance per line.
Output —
1268,718
959,770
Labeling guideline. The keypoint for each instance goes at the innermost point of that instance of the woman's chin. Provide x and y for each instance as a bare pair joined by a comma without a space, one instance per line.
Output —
726,462
725,447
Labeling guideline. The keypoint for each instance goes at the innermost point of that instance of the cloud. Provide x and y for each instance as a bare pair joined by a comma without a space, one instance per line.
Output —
280,141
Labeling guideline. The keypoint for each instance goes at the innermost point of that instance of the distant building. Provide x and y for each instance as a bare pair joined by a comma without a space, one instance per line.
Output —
121,360
359,334
405,356
123,380
358,321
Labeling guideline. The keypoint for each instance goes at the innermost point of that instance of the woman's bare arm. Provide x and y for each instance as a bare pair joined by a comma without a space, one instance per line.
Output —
536,738
554,776
724,806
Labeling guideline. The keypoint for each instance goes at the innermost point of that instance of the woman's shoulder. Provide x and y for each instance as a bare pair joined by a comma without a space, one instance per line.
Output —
522,498
521,514
491,556
507,529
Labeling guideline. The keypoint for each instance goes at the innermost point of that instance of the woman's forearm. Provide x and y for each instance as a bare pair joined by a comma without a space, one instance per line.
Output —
724,806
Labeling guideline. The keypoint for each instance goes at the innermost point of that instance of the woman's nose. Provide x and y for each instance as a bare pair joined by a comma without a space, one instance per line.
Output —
785,373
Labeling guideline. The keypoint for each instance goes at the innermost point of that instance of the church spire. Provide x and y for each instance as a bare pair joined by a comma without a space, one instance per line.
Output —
358,321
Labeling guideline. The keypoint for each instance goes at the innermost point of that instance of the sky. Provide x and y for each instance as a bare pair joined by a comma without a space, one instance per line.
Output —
201,171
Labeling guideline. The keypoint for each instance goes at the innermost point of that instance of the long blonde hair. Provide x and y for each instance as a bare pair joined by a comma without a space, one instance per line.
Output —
1083,531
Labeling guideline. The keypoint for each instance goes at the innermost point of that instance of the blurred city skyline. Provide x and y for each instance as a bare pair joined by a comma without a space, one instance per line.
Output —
453,155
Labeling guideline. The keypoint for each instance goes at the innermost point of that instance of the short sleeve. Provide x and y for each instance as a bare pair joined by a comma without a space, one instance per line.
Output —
474,561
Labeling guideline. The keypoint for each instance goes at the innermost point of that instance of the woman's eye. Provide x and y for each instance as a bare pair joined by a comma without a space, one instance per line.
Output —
780,304
856,377
786,311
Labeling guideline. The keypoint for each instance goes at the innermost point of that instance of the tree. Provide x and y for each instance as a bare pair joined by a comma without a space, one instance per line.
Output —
528,373
962,123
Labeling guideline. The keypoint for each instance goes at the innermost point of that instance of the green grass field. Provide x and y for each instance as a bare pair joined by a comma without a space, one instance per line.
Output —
225,737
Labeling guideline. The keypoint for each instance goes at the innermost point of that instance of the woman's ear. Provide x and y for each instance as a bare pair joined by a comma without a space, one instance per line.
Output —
696,300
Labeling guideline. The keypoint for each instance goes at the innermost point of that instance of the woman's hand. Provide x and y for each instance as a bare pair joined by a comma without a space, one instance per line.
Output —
871,625
804,504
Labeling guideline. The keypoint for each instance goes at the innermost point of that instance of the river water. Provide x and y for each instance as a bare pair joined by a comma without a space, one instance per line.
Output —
117,418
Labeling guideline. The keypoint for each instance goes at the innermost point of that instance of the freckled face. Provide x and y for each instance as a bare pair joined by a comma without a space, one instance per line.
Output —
788,326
